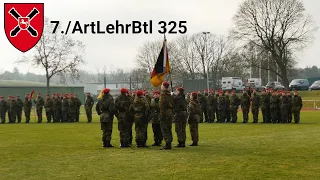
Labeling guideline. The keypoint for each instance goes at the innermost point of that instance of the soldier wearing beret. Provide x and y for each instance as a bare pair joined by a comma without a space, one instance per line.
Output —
155,110
296,106
88,107
39,106
48,104
19,109
180,116
3,109
27,106
194,113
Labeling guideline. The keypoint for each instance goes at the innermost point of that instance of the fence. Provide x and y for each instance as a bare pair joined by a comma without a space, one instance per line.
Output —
314,104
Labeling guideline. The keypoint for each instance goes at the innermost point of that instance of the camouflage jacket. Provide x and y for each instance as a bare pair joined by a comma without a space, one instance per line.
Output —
155,110
89,103
227,101
27,105
140,110
210,101
264,101
65,105
255,100
56,104
274,102
48,105
194,111
234,101
13,105
106,108
284,102
166,106
78,103
73,105
179,103
39,103
245,101
202,100
221,103
3,106
122,105
297,102
19,105
289,101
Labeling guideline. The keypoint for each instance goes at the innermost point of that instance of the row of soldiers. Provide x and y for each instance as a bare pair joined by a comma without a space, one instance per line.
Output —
139,108
276,106
59,108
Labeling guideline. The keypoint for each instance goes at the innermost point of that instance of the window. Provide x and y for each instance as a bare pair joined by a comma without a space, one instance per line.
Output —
229,82
239,83
224,82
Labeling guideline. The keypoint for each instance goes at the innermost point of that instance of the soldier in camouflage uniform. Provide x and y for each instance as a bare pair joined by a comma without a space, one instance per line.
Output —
245,106
205,107
265,106
188,97
155,110
234,105
122,105
9,109
268,113
279,106
289,107
106,110
56,107
221,104
255,99
27,106
39,106
78,106
130,137
19,109
65,109
296,106
215,105
166,114
140,111
73,106
203,104
3,109
194,113
210,107
227,111
48,105
274,107
88,107
180,116
284,105
13,109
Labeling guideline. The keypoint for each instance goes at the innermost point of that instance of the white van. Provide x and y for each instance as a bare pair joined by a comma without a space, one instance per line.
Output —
232,83
255,83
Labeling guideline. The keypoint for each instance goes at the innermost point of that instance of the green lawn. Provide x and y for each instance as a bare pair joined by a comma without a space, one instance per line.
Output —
226,151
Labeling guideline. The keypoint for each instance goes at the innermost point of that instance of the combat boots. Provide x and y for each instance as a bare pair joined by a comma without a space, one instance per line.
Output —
107,144
167,147
194,144
156,143
180,145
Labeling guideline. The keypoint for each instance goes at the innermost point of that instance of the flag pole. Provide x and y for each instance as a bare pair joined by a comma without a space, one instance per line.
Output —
169,66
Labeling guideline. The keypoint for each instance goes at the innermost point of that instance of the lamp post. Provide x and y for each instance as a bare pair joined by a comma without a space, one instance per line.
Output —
205,35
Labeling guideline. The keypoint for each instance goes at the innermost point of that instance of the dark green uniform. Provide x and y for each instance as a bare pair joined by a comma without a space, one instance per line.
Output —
27,106
284,105
78,106
289,108
296,107
203,104
211,103
9,110
215,106
255,107
221,104
140,110
13,111
130,122
3,110
73,106
122,105
265,107
57,106
48,105
19,109
280,111
155,110
39,106
274,108
106,109
227,111
65,110
88,107
269,119
166,116
194,113
234,105
245,106
180,117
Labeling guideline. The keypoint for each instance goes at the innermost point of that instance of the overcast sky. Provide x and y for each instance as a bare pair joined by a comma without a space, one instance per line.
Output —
119,51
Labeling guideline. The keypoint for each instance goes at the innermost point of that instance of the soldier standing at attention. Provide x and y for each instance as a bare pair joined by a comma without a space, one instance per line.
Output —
234,105
194,113
210,107
284,101
39,105
296,107
3,109
255,98
9,109
269,94
274,101
205,107
78,106
202,101
227,111
13,109
65,109
106,109
221,104
122,105
19,109
289,107
27,106
140,111
155,110
73,106
56,107
130,118
48,105
245,106
180,116
215,102
265,106
88,107
279,106
166,114
188,97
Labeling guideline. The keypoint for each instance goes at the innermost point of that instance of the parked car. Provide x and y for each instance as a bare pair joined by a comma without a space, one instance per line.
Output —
315,86
232,83
299,84
275,85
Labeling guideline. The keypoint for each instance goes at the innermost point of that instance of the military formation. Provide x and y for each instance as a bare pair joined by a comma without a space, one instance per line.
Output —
58,108
161,110
275,106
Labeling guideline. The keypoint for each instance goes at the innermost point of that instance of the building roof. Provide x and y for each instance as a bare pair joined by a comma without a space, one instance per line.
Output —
13,83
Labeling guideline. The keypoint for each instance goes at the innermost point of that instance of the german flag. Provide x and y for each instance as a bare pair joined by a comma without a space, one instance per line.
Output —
31,95
101,94
162,66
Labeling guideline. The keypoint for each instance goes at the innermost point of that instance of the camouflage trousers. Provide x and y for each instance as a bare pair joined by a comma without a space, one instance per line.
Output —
141,132
217,113
157,135
19,115
205,113
13,117
296,114
284,114
124,129
3,117
57,115
180,125
222,116
255,113
130,137
234,114
194,131
65,116
89,114
39,114
166,130
77,115
274,114
228,114
27,114
72,116
265,115
211,115
289,114
245,115
106,128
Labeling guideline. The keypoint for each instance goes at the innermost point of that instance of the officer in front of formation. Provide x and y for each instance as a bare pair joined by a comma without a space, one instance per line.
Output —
88,106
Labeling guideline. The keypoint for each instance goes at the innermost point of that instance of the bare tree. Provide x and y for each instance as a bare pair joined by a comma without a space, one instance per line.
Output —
277,26
57,54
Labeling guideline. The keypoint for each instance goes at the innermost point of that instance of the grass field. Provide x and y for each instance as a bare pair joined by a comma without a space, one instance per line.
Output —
226,151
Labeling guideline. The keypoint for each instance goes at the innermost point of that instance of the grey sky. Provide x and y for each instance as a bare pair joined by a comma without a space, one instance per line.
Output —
119,51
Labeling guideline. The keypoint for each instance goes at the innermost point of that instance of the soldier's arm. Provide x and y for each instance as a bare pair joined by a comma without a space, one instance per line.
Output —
98,108
300,102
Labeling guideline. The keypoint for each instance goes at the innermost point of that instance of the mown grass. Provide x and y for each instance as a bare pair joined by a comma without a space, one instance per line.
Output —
226,151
